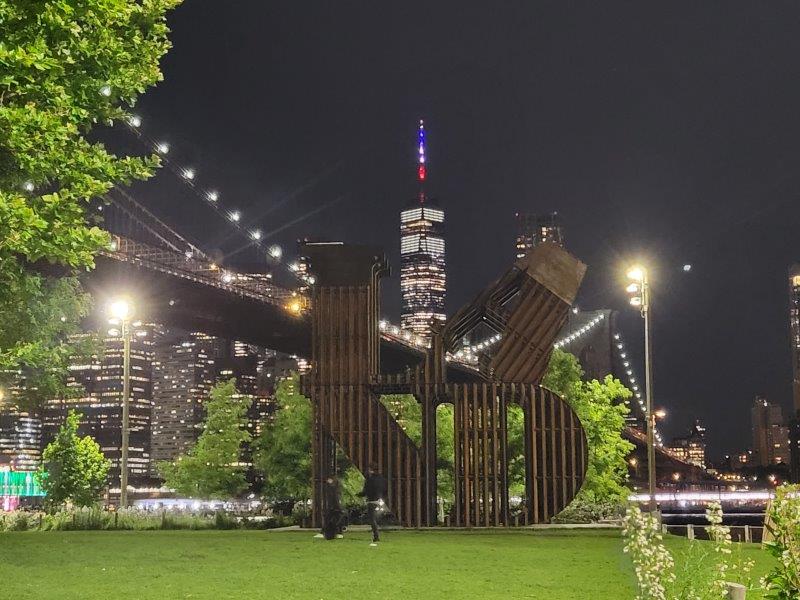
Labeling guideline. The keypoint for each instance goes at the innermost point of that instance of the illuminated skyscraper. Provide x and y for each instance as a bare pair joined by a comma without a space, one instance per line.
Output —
533,230
247,364
20,439
794,341
794,330
691,447
20,427
770,434
98,381
422,256
183,374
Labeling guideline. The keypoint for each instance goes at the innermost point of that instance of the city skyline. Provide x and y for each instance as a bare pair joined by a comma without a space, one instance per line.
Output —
400,277
635,150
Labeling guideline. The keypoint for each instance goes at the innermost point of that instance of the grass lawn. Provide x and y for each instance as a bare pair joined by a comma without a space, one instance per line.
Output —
89,565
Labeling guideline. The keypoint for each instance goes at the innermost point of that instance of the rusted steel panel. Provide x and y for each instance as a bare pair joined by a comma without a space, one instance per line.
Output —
555,447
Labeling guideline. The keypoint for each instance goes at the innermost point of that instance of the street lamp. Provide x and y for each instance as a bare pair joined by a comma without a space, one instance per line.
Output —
639,289
122,310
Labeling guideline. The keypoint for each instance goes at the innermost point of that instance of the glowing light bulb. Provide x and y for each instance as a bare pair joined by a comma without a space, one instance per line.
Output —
256,235
28,186
105,91
687,267
162,147
121,309
275,251
189,173
235,216
636,273
213,195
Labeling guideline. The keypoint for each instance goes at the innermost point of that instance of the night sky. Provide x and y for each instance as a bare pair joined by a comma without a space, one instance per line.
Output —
664,133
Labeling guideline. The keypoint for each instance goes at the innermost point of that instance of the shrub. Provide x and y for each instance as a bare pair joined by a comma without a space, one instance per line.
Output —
20,521
585,509
272,522
223,520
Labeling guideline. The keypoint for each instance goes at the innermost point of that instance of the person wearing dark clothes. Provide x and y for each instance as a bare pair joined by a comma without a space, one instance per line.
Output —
374,492
333,517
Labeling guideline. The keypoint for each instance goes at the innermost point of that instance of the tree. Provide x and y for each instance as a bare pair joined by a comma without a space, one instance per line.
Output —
283,452
601,409
212,468
74,470
65,67
40,317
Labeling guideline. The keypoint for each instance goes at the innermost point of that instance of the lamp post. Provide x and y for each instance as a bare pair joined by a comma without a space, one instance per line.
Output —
640,297
122,311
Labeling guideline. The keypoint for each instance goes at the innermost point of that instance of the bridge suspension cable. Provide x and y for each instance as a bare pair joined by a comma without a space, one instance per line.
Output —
211,196
135,211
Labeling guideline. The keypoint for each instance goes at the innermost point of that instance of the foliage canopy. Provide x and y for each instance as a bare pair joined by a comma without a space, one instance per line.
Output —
65,67
74,469
601,408
212,468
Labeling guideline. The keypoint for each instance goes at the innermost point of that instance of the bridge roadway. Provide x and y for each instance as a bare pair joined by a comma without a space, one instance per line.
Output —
195,306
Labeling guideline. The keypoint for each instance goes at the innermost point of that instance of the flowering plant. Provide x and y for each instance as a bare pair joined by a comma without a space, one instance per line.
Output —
703,572
652,562
783,524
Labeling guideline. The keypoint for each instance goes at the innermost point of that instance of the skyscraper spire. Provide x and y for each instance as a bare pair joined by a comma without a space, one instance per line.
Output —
421,169
423,280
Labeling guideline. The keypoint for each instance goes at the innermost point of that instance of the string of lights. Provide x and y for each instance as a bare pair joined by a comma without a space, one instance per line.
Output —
578,333
469,354
211,196
633,384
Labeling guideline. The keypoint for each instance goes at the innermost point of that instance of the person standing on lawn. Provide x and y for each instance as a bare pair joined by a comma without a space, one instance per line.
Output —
332,517
374,492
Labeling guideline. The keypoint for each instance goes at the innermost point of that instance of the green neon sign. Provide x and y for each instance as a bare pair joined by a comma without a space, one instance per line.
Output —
14,483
